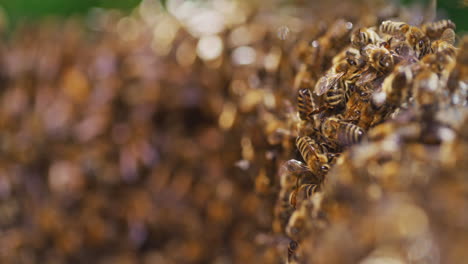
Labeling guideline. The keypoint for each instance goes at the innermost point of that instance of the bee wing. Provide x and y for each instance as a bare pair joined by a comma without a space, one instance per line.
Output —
326,82
448,36
366,77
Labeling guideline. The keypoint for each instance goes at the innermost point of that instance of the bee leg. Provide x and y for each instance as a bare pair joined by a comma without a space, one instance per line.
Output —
317,111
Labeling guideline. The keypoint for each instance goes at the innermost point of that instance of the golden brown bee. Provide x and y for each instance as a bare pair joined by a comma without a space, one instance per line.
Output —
305,105
419,41
298,223
395,87
354,58
314,155
333,97
445,43
379,58
394,28
413,35
341,132
290,174
363,37
425,89
459,75
435,29
359,109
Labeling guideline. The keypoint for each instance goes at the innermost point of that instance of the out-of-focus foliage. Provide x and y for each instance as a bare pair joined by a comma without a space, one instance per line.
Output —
30,9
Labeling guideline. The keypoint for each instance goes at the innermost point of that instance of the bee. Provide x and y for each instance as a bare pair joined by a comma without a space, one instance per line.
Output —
419,41
413,35
425,89
394,28
305,191
445,43
290,174
435,29
305,105
395,87
360,110
331,92
313,154
342,132
379,58
363,37
459,74
354,59
298,225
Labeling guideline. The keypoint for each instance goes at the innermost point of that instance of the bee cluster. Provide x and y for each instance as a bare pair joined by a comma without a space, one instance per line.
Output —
162,137
394,71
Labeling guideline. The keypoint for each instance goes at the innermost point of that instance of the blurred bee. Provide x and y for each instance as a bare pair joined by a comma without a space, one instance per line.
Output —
445,43
314,155
293,246
305,191
379,58
426,92
341,132
298,224
459,75
394,28
435,29
321,50
363,37
290,174
395,88
413,35
339,32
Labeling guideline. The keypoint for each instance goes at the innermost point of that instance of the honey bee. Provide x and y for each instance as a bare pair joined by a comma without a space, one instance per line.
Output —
363,37
445,43
305,191
379,58
290,174
394,28
342,132
435,29
395,87
459,75
413,35
359,109
425,89
313,154
298,224
305,104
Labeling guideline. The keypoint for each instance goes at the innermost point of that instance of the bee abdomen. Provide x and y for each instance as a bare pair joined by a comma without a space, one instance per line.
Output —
335,97
305,146
350,134
434,30
304,103
393,28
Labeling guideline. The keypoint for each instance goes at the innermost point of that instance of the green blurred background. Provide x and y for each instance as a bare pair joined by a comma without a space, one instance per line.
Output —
32,9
